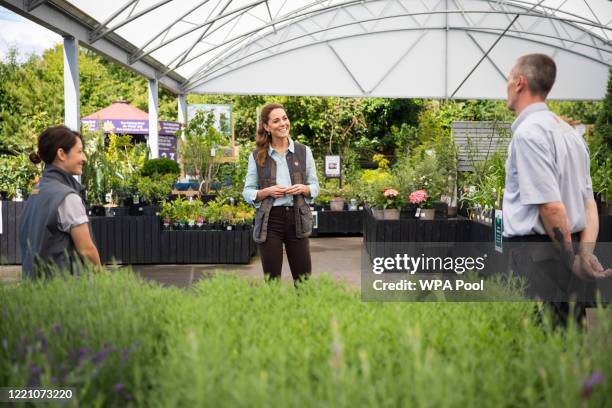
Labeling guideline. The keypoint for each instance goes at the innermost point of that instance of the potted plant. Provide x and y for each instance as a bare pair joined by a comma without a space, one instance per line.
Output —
392,204
424,204
167,214
212,214
200,222
153,191
321,202
244,216
336,203
387,204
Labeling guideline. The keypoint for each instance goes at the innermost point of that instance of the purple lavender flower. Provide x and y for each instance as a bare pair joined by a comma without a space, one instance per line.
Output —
122,391
35,371
100,356
83,353
57,329
125,355
97,358
590,382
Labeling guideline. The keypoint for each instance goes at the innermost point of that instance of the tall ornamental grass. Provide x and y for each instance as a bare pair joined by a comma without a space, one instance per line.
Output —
227,341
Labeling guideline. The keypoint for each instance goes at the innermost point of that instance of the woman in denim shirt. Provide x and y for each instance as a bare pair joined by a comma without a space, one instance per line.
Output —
289,219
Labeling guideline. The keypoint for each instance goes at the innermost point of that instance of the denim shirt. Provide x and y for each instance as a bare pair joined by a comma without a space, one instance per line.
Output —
283,178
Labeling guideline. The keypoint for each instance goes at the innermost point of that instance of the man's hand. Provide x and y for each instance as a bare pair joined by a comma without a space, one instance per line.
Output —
298,189
587,267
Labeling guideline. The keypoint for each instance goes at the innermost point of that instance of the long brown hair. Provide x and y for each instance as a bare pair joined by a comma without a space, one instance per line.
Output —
264,138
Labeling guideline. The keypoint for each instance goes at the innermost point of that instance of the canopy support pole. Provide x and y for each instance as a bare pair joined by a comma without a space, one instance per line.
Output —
182,112
153,108
72,109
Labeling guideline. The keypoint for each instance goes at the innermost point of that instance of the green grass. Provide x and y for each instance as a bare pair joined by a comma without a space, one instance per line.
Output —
232,342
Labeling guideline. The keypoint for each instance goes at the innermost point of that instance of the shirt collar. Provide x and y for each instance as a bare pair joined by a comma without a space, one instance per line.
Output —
534,107
291,147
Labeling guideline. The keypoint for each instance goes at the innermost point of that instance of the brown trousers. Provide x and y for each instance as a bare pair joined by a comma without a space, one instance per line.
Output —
281,229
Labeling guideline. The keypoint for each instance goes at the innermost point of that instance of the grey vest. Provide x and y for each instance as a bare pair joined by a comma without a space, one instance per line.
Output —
267,178
42,243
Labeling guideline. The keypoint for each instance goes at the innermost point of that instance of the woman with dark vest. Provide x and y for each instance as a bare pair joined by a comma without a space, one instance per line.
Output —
54,228
280,182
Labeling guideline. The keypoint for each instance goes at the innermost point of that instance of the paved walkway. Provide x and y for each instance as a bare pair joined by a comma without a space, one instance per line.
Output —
339,257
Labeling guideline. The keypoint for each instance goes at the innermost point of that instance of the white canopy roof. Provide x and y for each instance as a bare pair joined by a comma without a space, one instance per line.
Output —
388,48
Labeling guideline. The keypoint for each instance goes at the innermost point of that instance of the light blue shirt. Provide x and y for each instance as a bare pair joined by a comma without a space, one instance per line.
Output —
548,161
283,177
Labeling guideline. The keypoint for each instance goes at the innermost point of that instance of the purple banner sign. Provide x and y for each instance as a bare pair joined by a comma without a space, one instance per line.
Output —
166,139
132,127
167,147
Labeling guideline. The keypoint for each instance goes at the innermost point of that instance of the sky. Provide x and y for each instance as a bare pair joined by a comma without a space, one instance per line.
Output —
28,37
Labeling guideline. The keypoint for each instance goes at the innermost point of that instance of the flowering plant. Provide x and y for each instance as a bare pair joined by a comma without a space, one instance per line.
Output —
389,198
421,199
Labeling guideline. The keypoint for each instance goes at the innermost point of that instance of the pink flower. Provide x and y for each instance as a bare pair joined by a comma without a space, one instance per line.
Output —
391,193
417,197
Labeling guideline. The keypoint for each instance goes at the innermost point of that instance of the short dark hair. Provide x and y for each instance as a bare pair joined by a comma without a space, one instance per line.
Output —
52,139
540,70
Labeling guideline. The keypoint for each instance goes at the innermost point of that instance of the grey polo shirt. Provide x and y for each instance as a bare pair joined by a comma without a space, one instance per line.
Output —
71,213
547,161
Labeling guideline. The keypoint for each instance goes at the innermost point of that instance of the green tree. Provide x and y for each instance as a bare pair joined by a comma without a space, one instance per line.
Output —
602,135
196,150
32,94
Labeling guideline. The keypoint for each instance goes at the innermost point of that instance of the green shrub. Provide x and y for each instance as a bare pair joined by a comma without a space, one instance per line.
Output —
17,173
160,167
155,189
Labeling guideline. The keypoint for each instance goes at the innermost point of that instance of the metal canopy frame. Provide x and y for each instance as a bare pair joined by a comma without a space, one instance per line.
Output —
217,44
226,60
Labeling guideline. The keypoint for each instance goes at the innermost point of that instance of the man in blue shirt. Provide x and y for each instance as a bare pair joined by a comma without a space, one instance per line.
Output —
548,195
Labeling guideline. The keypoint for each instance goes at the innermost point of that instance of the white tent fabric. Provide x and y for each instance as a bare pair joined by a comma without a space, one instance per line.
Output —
387,48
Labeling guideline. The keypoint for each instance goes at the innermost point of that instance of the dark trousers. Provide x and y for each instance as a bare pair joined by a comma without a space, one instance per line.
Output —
281,229
536,259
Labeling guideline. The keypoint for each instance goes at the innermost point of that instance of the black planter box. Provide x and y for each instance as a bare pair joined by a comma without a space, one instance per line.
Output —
150,209
332,223
198,246
10,252
385,238
382,238
140,240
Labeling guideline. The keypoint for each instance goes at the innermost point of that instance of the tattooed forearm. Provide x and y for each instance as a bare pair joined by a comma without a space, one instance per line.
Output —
565,248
